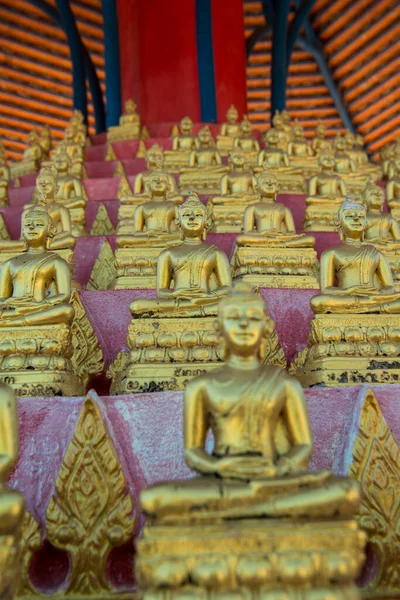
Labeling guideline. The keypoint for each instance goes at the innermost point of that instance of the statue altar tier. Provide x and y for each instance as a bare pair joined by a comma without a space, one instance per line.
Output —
183,341
182,145
327,192
205,166
237,191
229,131
270,253
154,228
301,542
70,192
129,125
274,158
11,502
348,345
36,315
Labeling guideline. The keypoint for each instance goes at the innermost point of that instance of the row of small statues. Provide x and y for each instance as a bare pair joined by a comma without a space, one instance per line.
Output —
302,541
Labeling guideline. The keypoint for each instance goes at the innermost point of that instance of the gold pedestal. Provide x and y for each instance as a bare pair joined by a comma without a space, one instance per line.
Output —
176,159
227,218
165,354
252,559
277,267
321,218
347,349
36,361
136,268
123,133
206,183
10,566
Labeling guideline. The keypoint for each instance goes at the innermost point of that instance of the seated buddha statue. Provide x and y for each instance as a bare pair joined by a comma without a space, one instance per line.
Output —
286,118
382,229
320,143
393,190
182,145
270,223
393,168
205,167
45,141
199,271
237,186
154,160
275,159
247,143
300,152
262,438
74,148
346,167
364,282
282,133
78,127
70,192
4,177
354,147
12,503
327,192
228,131
129,124
154,220
31,158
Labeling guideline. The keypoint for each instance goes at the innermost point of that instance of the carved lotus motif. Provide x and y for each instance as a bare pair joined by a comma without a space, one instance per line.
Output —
331,334
253,571
353,334
167,339
389,349
211,573
344,348
375,334
202,354
189,339
296,568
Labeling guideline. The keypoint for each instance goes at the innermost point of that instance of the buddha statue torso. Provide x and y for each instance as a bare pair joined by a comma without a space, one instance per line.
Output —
299,148
274,157
206,157
328,185
246,143
184,142
379,227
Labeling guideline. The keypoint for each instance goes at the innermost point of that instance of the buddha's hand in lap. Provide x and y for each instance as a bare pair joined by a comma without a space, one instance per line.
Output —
246,467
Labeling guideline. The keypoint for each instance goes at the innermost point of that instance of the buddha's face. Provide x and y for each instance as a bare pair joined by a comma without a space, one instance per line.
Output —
339,144
374,197
359,141
277,121
159,184
61,162
192,220
267,186
243,325
205,137
353,220
272,139
349,139
232,115
237,159
186,125
285,116
327,162
154,158
298,132
320,131
35,229
45,185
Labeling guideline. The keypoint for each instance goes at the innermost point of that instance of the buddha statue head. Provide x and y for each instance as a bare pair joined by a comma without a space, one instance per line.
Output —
338,142
186,125
62,161
192,217
359,141
267,185
271,139
204,136
237,159
298,130
37,227
326,161
348,140
277,120
232,115
285,116
46,184
246,126
154,157
320,130
33,137
130,106
351,220
2,153
242,323
77,118
373,196
158,184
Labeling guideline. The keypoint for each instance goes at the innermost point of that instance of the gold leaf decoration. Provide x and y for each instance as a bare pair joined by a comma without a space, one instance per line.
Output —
142,150
4,235
175,131
124,188
87,358
91,510
119,170
31,542
376,465
144,135
104,271
102,224
110,153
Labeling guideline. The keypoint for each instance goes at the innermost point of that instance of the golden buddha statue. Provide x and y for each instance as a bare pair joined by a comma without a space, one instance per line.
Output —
346,167
153,229
354,147
389,155
46,141
300,152
348,346
78,128
4,177
70,192
234,529
247,143
286,118
12,503
182,145
393,189
200,275
272,157
269,227
281,131
31,158
129,125
75,150
320,143
237,191
229,131
327,192
205,167
36,315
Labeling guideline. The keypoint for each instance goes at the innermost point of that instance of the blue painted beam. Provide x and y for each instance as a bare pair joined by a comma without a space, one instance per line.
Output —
278,67
112,62
205,61
301,15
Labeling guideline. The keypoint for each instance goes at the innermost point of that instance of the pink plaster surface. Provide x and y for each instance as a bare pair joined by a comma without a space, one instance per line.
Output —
147,433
